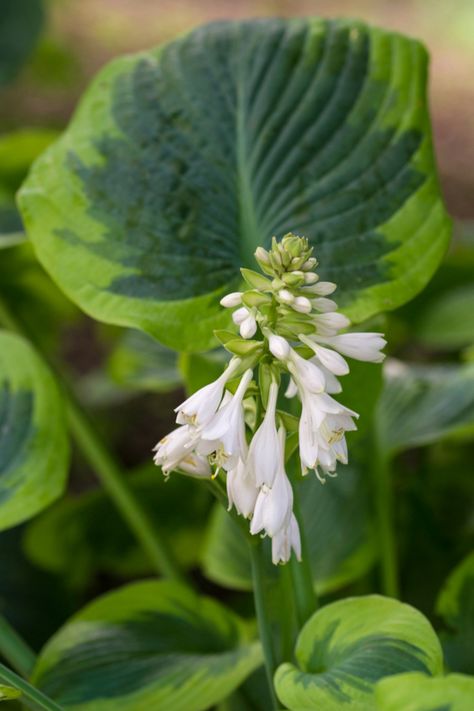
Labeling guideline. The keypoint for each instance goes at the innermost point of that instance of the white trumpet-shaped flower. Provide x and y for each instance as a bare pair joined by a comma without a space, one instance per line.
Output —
331,360
287,539
242,490
224,434
174,448
360,346
274,503
328,324
323,424
306,371
202,405
264,453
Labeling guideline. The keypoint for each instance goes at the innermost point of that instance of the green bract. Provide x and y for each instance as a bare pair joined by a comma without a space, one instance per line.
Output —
417,692
150,645
347,646
34,447
181,160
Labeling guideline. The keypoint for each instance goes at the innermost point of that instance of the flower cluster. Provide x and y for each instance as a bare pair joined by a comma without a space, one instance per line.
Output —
221,427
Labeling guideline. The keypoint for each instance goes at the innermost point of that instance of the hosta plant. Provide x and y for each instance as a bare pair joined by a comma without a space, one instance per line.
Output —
247,196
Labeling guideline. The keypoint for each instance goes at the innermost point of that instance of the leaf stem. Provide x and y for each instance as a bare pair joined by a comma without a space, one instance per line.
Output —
385,526
15,649
260,591
107,470
32,697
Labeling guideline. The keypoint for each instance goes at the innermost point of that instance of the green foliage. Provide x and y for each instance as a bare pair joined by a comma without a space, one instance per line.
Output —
141,363
7,693
349,645
161,180
420,405
147,645
34,447
89,531
456,606
418,692
447,322
21,23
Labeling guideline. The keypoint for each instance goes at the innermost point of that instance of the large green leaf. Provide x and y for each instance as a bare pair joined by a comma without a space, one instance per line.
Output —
181,160
447,322
417,692
455,605
149,645
34,447
349,645
422,404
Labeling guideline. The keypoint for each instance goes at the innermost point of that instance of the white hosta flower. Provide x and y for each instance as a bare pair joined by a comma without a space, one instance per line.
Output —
248,327
274,504
242,491
324,305
328,324
291,390
202,405
264,452
174,448
322,426
334,362
285,540
196,465
306,373
303,371
279,347
360,346
231,300
240,315
225,433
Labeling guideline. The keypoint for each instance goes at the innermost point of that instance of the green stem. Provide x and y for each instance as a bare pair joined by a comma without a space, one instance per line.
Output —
384,515
266,632
305,595
33,698
14,649
108,471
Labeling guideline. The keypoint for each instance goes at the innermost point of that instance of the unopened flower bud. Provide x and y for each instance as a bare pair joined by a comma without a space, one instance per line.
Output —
240,315
302,304
261,255
231,300
279,347
286,296
310,278
309,264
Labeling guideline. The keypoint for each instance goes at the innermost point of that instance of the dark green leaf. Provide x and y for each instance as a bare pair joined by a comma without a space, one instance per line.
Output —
455,605
34,446
21,23
183,159
149,645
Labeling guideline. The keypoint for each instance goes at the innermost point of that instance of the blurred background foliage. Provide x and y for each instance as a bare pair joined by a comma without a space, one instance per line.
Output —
80,546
